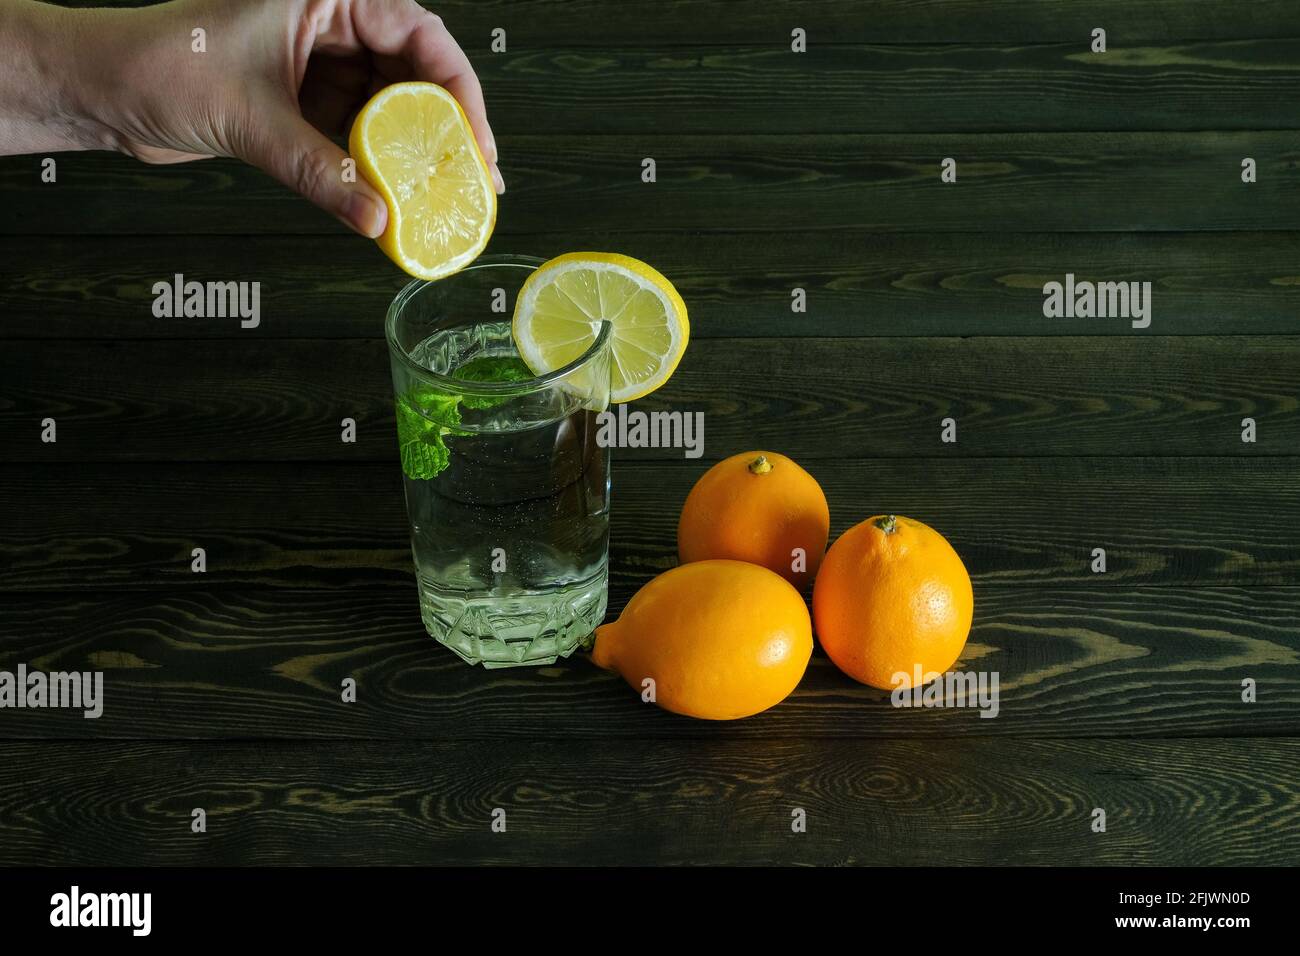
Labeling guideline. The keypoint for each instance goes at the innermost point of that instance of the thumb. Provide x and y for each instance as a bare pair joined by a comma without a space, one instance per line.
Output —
308,162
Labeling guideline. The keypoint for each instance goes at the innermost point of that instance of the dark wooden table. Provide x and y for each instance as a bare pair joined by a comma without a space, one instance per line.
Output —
1120,690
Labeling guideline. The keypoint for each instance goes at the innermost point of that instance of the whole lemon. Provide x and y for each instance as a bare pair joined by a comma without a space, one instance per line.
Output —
759,507
720,639
892,596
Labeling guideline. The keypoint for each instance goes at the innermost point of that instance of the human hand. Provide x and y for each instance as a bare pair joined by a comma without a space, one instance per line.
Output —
276,77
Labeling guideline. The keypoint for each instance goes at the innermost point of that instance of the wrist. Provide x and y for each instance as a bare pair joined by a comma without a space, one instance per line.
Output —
82,74
41,106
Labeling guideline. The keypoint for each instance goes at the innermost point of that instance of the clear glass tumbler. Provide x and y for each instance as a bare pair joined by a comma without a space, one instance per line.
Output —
507,488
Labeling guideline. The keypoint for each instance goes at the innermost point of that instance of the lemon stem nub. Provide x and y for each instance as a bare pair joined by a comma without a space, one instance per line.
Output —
887,524
760,465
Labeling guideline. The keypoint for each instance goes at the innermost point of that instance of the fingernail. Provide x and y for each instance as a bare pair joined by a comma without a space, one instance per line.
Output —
497,180
492,148
365,215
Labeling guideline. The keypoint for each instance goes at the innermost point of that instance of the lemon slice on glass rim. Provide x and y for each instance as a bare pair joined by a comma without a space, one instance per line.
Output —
413,143
561,305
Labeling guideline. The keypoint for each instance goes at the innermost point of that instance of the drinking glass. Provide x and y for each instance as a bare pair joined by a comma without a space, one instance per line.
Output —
507,487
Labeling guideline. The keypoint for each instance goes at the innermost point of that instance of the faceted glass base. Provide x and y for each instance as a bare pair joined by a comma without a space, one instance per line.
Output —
516,629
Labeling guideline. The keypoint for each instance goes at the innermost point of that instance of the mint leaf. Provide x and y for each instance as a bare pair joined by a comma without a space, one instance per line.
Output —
424,460
492,368
424,418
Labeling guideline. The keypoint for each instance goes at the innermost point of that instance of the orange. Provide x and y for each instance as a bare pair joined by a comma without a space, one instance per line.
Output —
719,639
892,595
759,507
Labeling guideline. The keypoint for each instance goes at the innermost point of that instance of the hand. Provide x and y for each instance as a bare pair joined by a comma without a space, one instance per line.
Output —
276,77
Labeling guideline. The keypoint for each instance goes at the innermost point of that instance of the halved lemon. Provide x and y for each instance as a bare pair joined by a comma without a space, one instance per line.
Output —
413,143
561,305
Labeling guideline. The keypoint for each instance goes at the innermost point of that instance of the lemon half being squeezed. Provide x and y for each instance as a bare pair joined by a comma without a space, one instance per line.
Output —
413,143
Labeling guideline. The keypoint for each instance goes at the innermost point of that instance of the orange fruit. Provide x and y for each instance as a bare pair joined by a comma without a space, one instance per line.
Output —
720,640
759,507
892,595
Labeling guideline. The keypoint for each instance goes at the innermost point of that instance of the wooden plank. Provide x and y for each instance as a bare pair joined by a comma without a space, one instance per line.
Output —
1009,182
1240,84
1071,662
857,284
227,400
537,23
1184,521
897,803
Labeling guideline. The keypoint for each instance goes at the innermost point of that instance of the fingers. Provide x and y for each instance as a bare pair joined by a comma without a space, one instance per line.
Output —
438,58
404,28
305,160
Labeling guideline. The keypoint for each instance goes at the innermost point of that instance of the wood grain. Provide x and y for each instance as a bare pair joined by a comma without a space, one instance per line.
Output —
1191,803
735,284
1006,182
775,170
1185,521
951,88
1072,662
225,400
540,23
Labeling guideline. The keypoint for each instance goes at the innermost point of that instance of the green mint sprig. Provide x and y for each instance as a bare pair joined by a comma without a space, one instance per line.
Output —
426,416
492,368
